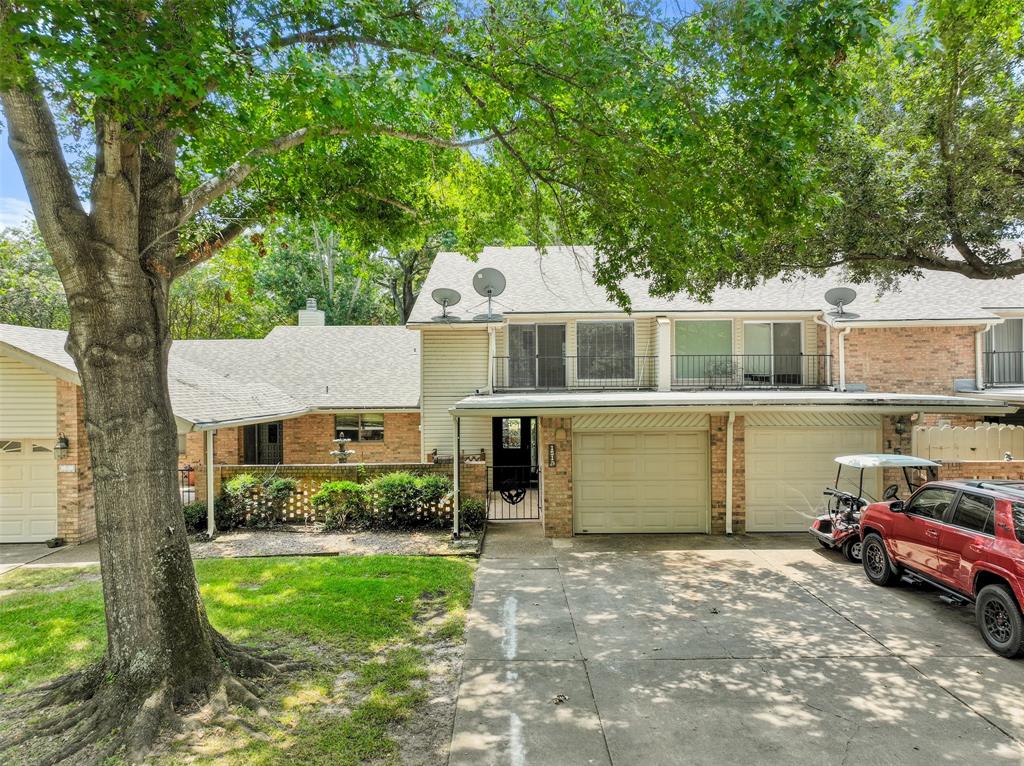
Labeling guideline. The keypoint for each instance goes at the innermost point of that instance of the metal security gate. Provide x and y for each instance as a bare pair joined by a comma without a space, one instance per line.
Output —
513,493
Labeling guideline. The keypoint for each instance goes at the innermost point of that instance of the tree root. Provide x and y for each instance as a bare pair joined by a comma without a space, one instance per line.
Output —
93,714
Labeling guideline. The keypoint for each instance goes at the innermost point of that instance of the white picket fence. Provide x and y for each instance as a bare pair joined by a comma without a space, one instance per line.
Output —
985,441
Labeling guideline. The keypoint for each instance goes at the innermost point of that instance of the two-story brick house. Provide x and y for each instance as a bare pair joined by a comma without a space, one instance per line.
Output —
682,416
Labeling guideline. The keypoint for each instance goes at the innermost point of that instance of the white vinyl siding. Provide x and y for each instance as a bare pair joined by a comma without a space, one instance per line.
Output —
454,366
28,401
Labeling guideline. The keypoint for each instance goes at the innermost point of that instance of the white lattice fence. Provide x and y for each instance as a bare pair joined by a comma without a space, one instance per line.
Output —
985,441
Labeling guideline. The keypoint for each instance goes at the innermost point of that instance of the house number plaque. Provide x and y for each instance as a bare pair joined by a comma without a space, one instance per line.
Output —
552,456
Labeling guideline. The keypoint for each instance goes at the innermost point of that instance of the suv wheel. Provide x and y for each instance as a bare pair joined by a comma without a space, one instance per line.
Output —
877,566
1000,621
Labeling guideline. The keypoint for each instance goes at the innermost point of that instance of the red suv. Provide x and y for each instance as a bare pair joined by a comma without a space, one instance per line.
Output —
964,537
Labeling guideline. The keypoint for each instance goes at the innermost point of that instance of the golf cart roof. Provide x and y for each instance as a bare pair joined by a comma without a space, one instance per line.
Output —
885,461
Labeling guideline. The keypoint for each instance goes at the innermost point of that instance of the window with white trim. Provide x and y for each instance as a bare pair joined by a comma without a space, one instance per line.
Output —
605,350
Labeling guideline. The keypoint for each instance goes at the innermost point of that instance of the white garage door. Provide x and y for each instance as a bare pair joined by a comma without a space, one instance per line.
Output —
788,466
640,481
28,491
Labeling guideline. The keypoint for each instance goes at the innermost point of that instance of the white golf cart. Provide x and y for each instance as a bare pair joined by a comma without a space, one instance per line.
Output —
839,528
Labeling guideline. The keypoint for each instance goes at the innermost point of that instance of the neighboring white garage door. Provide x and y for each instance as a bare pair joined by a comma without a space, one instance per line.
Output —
28,491
640,481
790,460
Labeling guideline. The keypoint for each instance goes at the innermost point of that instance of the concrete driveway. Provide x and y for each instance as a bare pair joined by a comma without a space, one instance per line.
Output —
696,650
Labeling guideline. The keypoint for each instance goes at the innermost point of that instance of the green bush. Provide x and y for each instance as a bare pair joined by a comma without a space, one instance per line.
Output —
341,504
396,499
434,487
254,502
472,514
195,516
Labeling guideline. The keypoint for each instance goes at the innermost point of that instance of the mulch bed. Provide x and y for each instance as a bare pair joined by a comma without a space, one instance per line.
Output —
307,540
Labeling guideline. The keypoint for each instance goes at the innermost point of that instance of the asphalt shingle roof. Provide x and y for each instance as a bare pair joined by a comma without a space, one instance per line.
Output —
291,371
561,281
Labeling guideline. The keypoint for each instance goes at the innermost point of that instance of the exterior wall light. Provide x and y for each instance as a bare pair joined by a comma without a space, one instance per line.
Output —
60,450
900,426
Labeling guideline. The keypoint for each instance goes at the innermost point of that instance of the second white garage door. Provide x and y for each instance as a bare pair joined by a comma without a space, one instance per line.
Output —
790,460
640,481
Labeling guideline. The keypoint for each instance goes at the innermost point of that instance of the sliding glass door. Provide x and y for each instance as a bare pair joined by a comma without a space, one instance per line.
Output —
773,353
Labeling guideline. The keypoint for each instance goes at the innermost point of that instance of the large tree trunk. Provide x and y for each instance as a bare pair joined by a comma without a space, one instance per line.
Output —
162,655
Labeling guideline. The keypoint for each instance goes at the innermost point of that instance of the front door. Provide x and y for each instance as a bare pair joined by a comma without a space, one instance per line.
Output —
916,530
551,356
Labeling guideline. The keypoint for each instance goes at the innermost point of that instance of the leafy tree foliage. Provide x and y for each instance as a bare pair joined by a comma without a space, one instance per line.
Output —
30,289
928,171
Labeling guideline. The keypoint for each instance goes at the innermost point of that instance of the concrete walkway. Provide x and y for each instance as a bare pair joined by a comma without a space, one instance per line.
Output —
697,650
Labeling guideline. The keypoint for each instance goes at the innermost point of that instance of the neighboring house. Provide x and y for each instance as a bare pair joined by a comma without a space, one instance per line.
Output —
683,416
281,399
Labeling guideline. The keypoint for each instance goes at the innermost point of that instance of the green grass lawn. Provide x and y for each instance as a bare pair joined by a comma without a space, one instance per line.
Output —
350,616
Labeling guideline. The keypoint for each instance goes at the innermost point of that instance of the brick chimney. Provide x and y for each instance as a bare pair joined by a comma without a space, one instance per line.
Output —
311,316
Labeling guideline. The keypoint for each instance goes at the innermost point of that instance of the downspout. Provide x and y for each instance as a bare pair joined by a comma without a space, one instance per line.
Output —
728,473
456,476
490,360
828,346
842,357
211,522
979,355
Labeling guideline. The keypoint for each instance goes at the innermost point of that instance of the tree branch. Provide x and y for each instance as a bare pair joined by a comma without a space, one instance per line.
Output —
36,147
209,247
938,263
237,172
387,201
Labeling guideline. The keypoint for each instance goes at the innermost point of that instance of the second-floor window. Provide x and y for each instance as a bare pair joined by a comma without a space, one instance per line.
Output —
605,350
772,352
1004,357
359,428
703,349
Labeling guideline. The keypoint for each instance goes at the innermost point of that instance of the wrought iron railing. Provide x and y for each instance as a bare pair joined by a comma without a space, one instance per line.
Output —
732,371
513,493
554,373
187,484
1004,368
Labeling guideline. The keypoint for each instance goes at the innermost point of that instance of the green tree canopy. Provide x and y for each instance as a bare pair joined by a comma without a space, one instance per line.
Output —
928,171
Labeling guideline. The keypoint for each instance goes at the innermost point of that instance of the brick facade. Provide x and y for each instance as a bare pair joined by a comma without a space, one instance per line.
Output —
983,469
558,500
918,360
719,429
76,509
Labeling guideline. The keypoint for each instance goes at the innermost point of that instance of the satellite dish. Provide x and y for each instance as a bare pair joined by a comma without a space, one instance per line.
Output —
445,298
840,297
489,283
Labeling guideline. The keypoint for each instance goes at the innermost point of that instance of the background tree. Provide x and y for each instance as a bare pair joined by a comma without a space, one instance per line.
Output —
928,172
30,289
208,115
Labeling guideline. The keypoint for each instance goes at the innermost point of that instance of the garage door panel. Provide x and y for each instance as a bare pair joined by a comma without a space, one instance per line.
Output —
641,481
28,502
788,467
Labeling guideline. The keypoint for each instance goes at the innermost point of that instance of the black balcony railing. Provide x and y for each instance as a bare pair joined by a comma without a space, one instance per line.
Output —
751,371
555,373
1004,368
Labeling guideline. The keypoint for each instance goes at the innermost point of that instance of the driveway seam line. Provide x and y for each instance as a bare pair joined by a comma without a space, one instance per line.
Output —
586,667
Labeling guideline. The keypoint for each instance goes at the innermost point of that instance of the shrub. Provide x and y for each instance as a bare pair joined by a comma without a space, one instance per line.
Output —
341,503
472,514
396,499
434,487
195,515
254,502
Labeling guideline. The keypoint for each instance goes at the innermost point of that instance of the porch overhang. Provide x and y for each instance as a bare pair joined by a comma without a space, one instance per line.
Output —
572,403
1013,395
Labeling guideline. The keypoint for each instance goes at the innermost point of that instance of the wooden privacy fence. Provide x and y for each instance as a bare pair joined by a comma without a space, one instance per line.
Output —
985,441
308,479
